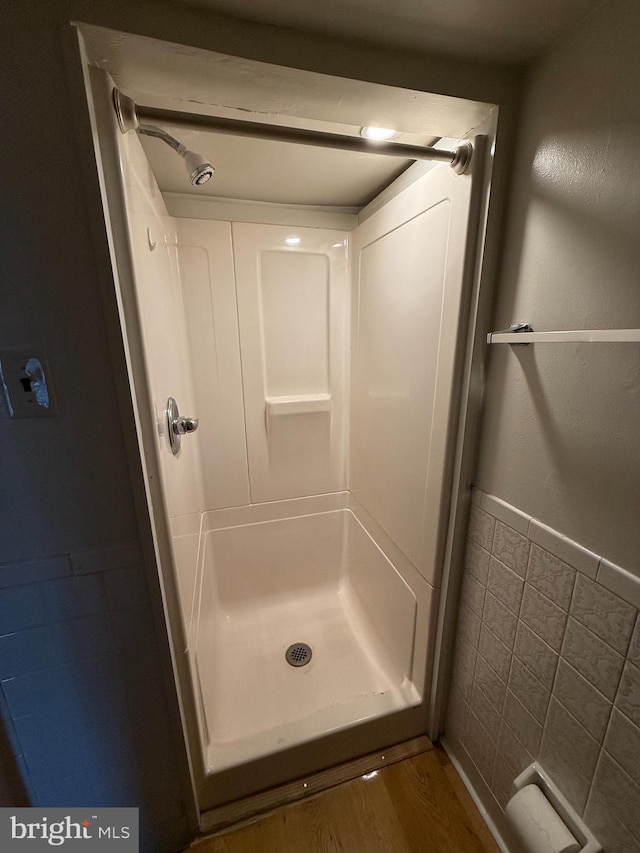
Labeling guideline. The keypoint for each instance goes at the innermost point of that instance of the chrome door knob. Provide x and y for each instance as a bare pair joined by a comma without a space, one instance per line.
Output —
177,425
183,425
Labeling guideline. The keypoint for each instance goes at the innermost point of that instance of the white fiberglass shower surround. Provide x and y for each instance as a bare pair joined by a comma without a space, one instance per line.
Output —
311,505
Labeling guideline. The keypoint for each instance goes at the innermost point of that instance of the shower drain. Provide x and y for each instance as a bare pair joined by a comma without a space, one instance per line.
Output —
298,654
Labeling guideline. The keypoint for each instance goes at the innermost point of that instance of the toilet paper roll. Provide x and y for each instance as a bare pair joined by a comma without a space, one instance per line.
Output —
537,824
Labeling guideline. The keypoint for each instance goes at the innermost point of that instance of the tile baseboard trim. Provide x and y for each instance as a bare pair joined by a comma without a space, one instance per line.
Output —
619,581
565,549
509,515
611,576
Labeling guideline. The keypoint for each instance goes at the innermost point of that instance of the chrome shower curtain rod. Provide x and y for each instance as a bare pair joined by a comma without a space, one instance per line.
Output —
130,115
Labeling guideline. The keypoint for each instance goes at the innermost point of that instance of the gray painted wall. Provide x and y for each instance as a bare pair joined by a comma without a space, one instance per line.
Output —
68,484
560,437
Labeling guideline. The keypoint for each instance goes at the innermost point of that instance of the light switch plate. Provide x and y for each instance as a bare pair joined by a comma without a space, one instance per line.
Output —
25,379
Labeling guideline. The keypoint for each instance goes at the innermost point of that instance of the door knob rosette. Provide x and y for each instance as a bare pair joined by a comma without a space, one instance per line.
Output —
177,425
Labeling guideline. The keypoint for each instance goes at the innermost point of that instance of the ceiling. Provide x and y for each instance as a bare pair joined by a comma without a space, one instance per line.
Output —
504,31
159,74
276,172
178,77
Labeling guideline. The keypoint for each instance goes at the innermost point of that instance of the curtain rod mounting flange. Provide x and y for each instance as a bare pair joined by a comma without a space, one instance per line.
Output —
126,111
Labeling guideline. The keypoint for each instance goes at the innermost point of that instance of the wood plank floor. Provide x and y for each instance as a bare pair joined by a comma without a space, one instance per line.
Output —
419,805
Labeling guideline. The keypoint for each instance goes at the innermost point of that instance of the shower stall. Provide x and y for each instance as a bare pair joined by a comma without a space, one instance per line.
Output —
301,529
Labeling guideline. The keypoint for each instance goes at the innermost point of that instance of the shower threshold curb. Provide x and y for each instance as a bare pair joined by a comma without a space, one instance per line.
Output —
251,808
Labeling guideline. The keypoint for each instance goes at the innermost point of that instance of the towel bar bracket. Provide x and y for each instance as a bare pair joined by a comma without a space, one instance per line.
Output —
513,329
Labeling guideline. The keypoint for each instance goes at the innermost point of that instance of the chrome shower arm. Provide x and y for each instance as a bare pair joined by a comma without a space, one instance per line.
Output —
159,133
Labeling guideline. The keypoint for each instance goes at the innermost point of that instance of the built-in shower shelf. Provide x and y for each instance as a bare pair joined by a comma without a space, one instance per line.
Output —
523,333
298,405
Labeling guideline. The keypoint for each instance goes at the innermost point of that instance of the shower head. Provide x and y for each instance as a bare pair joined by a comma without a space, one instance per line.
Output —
198,167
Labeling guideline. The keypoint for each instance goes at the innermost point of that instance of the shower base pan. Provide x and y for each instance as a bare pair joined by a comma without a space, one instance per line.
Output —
318,580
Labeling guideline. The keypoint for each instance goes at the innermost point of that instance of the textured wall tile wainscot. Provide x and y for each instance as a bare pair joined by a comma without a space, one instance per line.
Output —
81,693
547,668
